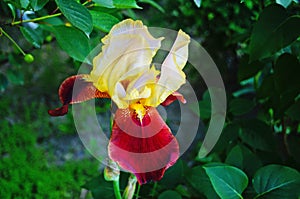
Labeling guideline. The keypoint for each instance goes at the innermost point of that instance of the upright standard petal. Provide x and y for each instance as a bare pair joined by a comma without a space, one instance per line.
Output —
172,76
128,49
144,147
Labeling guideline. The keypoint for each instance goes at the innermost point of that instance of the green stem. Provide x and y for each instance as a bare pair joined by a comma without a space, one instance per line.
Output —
153,191
138,191
13,41
117,189
36,19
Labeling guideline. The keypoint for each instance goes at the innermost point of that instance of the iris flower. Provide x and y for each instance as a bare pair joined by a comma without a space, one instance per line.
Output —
140,142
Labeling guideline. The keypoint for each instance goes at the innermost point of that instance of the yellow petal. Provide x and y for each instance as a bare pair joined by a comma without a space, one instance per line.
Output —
127,50
172,76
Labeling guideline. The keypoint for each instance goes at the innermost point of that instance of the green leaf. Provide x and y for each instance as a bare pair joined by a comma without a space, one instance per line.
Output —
198,3
153,4
73,41
173,175
257,134
286,73
294,111
38,4
105,3
125,4
277,182
267,87
273,31
24,3
284,3
103,21
13,10
100,188
241,157
200,182
204,106
228,137
246,69
293,141
229,182
3,82
77,14
33,36
240,106
15,76
169,194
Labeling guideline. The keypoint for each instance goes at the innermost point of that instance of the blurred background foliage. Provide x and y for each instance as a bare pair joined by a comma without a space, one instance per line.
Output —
255,44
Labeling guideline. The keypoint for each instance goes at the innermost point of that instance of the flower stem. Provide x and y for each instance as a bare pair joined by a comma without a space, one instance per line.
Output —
12,40
153,191
117,189
36,19
138,191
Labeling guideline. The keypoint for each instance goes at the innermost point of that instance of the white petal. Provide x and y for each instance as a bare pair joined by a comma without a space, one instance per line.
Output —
172,76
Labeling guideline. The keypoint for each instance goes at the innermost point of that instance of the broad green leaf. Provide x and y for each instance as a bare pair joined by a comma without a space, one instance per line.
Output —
267,87
73,41
294,111
241,157
273,31
125,4
153,4
3,82
105,3
293,141
257,134
33,36
229,182
100,188
55,21
198,3
169,194
277,182
183,191
284,3
200,182
286,73
246,69
77,14
38,4
240,106
228,137
103,21
24,3
173,175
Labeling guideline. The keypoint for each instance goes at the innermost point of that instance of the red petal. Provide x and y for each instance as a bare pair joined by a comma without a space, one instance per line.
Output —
84,91
171,98
147,149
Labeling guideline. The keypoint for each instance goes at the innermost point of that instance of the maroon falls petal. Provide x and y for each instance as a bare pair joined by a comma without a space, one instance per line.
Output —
147,149
84,91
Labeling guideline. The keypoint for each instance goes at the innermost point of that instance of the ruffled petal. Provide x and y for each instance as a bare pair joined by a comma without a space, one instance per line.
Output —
172,76
84,91
144,147
128,50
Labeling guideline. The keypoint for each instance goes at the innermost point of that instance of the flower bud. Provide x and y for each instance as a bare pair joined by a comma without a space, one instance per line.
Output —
111,171
130,188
